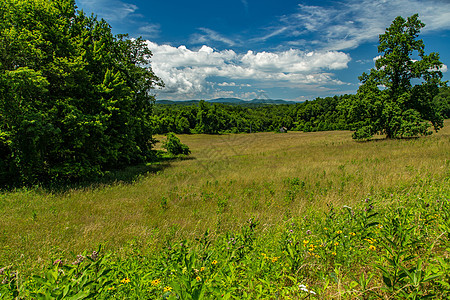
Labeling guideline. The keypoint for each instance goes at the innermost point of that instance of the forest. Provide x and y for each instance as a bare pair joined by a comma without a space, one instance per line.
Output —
320,114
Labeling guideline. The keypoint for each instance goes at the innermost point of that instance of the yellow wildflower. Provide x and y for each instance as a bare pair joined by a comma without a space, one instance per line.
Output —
156,282
334,253
125,280
336,243
339,232
167,289
305,242
372,247
202,269
352,233
214,262
198,278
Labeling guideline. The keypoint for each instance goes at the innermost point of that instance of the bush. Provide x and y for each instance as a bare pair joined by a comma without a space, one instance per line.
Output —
174,146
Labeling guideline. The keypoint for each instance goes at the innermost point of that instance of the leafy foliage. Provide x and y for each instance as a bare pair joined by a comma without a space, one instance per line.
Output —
74,99
174,146
317,115
387,101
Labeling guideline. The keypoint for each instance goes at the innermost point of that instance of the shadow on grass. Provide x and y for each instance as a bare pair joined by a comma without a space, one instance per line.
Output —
383,139
128,175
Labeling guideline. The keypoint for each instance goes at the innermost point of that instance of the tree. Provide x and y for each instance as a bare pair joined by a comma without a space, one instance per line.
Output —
74,99
387,102
442,101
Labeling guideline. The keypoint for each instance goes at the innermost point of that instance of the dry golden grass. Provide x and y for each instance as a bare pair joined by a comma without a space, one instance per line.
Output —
230,179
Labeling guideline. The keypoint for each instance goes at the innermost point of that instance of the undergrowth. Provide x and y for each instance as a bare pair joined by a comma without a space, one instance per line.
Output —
390,246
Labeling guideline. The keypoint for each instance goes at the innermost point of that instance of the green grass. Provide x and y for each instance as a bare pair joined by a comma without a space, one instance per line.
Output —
276,179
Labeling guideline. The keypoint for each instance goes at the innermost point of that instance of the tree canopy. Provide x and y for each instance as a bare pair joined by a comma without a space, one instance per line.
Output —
74,99
396,97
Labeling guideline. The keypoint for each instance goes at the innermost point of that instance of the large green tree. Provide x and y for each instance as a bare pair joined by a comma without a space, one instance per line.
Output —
74,99
396,97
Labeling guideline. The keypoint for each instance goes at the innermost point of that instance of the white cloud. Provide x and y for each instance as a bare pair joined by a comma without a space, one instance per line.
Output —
233,84
150,30
112,11
350,23
208,36
117,13
186,72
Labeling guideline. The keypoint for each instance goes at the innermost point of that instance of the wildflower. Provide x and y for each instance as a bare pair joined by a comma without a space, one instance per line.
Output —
198,278
214,262
336,243
202,269
111,288
352,233
305,242
2,271
57,262
94,255
325,228
167,289
339,232
125,280
372,247
333,253
274,259
156,282
79,260
308,231
304,288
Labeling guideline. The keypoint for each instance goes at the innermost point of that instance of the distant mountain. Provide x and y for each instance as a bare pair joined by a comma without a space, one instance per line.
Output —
179,102
234,101
271,101
227,100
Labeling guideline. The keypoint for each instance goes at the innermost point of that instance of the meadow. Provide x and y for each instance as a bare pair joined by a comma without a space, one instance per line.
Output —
264,215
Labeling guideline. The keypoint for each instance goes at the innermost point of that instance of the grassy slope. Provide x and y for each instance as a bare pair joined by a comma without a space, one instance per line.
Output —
232,178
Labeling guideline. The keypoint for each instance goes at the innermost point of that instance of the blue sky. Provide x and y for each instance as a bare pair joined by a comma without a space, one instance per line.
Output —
293,50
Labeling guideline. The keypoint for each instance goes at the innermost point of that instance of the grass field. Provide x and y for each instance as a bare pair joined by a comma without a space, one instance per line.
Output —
228,179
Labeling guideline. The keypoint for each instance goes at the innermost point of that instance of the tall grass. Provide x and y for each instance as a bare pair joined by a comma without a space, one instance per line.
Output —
231,178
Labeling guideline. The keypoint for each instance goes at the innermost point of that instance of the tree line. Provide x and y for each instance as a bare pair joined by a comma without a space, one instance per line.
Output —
213,118
320,114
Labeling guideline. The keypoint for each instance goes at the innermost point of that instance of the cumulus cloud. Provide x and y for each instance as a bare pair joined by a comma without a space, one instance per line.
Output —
187,72
350,23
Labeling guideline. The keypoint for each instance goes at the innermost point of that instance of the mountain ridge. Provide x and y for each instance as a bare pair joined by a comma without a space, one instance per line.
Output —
235,101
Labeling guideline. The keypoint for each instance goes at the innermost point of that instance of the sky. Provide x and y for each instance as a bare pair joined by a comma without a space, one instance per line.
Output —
285,49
